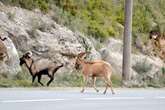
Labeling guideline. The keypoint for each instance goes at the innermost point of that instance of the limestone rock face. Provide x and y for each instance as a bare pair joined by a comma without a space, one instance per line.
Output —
34,31
10,64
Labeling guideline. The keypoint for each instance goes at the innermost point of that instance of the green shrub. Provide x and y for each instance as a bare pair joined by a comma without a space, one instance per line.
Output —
116,80
21,79
142,67
69,80
98,18
163,70
29,4
11,16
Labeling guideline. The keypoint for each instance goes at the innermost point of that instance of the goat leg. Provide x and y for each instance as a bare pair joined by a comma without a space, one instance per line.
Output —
85,80
51,79
39,80
33,79
108,84
105,89
94,83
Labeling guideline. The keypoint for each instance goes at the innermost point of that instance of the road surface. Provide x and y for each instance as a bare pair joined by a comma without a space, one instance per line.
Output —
72,99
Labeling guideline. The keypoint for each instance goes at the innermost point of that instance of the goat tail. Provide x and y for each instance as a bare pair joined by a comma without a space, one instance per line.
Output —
58,67
61,65
109,70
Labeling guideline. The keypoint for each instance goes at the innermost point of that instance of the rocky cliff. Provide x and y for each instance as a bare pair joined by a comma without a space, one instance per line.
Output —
26,30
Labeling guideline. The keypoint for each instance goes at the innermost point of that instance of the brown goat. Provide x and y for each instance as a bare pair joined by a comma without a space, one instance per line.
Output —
3,49
39,67
96,68
158,42
158,39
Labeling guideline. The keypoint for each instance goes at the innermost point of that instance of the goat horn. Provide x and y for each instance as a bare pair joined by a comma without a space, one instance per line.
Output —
29,53
81,54
68,54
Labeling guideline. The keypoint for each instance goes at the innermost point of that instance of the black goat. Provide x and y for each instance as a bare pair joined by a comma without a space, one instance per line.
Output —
39,67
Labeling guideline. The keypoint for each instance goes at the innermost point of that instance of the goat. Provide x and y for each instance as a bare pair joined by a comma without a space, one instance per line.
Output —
39,67
96,68
158,39
3,49
158,42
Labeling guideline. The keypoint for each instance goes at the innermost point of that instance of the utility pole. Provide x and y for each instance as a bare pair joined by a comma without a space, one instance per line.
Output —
126,68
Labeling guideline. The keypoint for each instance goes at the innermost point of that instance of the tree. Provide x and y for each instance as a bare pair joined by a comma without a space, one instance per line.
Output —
126,68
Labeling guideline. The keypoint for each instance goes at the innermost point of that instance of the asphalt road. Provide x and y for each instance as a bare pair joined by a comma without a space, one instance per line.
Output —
72,99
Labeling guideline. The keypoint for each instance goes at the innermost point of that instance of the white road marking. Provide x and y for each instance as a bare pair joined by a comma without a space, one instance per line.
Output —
115,98
31,100
65,99
160,97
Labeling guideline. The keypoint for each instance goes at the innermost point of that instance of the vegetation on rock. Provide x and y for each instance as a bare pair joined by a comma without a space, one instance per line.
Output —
100,18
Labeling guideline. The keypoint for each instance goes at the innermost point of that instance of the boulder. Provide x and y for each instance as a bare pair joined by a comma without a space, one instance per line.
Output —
11,63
